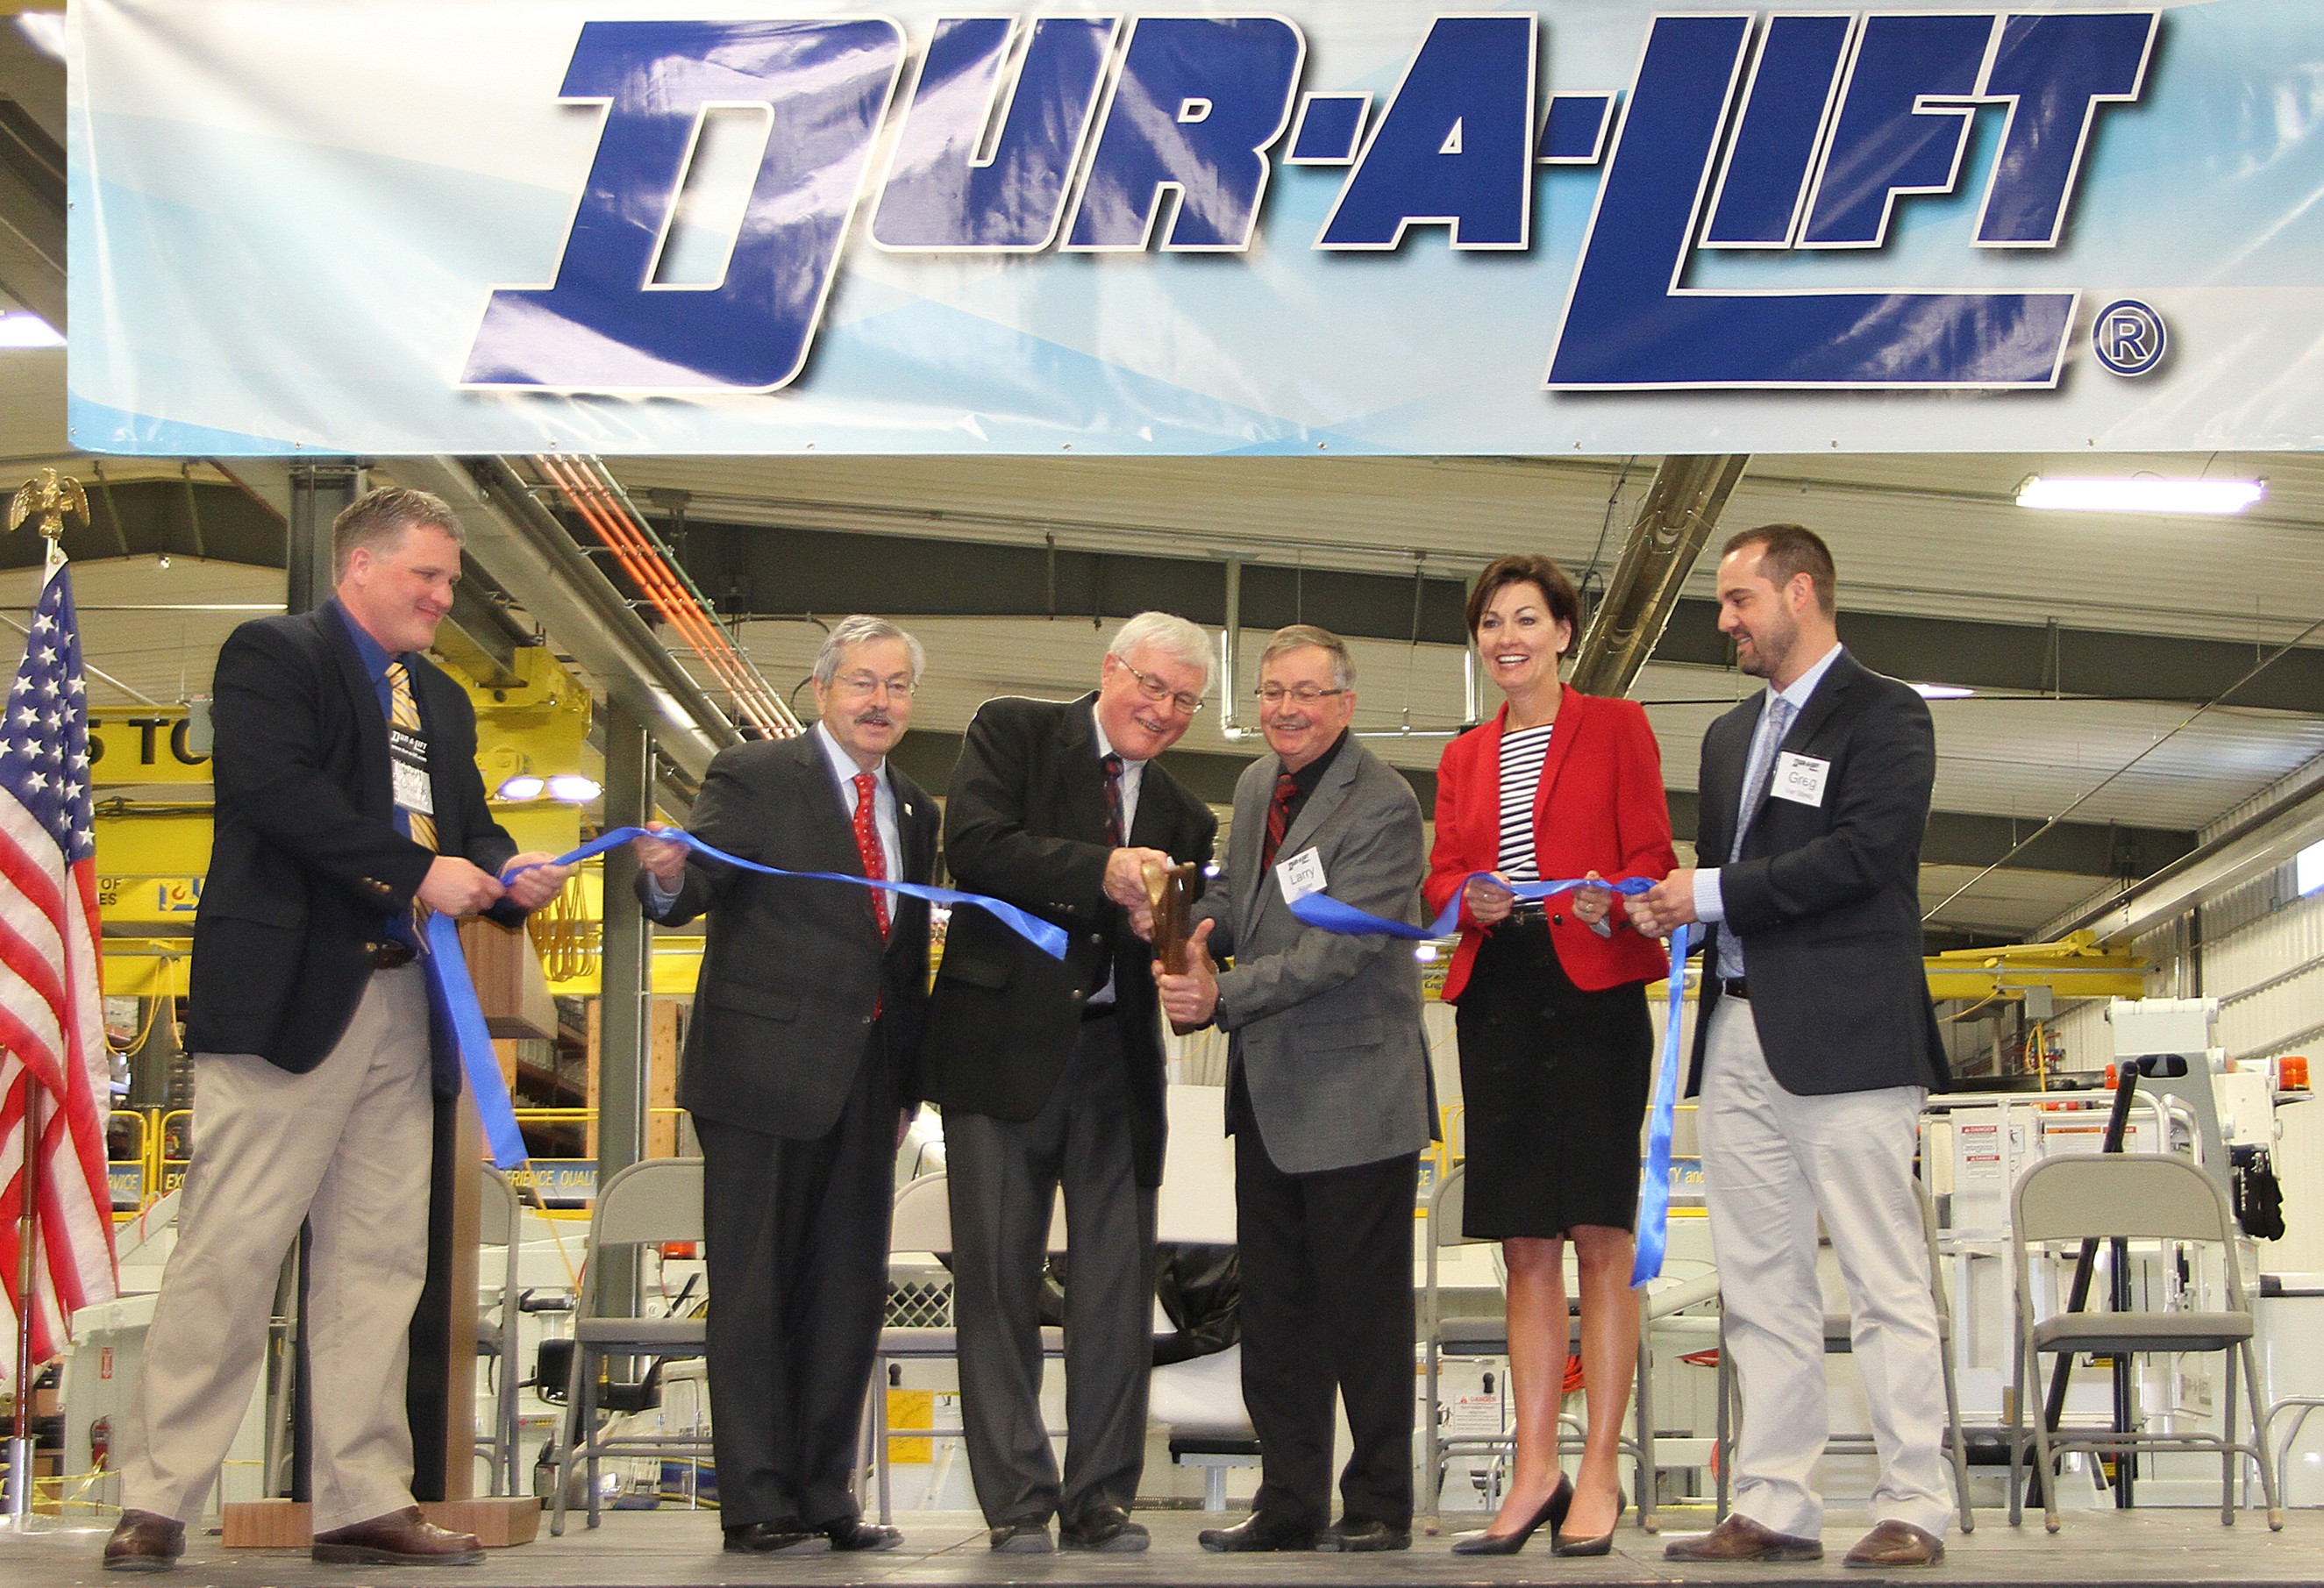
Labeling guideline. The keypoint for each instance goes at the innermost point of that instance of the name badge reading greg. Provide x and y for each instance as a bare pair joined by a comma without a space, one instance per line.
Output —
407,766
1300,875
1799,779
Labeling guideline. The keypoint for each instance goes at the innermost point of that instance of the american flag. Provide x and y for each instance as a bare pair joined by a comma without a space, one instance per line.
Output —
53,1063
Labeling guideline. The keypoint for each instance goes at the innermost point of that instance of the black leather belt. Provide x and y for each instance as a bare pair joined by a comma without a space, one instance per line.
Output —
1735,987
1099,1012
391,954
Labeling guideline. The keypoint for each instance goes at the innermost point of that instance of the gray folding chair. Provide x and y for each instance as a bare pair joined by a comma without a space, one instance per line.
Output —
655,1201
1464,1335
922,1221
1840,1340
2133,1196
498,1219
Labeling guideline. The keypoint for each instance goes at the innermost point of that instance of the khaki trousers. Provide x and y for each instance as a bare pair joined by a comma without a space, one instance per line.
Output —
347,1146
1771,1160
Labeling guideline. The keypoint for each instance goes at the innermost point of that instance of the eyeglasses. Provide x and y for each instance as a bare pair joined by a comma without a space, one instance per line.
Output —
1305,694
1156,690
864,686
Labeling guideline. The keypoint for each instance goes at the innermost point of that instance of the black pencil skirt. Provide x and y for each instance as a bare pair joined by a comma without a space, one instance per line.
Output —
1555,1083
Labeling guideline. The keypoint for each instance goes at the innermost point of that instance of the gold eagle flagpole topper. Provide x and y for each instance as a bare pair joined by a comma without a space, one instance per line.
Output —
45,499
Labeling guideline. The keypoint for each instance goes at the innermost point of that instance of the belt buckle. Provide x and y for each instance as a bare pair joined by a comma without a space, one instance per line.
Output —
392,955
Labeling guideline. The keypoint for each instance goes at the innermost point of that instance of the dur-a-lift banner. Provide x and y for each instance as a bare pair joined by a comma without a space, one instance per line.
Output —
1341,226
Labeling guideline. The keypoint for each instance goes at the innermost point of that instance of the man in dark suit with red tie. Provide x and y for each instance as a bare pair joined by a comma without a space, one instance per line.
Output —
798,1072
1049,1073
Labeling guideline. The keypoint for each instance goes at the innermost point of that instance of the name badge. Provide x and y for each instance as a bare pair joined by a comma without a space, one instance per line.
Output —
1300,875
1799,779
407,766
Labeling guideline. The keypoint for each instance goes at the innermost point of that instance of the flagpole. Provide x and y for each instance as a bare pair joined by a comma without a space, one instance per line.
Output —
28,1235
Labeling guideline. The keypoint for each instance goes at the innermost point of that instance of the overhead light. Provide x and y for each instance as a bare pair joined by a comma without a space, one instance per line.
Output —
2308,868
2141,494
523,786
45,29
574,789
1943,691
21,328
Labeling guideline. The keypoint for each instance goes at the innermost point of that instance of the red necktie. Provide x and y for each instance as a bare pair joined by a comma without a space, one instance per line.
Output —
867,845
1113,833
1279,818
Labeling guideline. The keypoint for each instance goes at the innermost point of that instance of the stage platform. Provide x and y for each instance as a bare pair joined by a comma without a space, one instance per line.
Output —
680,1549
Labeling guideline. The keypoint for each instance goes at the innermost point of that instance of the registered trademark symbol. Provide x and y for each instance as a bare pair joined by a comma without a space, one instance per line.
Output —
2129,337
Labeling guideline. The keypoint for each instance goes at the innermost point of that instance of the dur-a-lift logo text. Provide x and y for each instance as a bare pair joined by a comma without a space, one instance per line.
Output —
1791,132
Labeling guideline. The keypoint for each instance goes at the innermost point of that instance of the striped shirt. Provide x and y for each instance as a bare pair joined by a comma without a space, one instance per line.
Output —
1522,751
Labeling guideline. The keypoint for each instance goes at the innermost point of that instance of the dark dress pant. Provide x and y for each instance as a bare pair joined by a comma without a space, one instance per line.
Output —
1003,1179
797,1260
1327,1304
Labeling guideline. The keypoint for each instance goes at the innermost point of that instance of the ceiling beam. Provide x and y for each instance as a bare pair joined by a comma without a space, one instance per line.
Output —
755,570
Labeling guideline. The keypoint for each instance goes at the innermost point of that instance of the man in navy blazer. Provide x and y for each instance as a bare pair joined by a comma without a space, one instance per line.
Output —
347,793
1815,1048
798,1074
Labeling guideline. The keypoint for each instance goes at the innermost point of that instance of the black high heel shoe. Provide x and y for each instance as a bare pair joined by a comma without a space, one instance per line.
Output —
1603,1544
1552,1513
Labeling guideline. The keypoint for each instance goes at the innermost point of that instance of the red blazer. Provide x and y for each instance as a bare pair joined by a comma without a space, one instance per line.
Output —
1599,808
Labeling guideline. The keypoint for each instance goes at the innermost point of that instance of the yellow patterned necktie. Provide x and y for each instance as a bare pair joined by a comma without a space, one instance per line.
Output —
403,713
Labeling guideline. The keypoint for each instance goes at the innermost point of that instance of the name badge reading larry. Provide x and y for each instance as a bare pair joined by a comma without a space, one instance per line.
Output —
1300,875
407,766
1799,779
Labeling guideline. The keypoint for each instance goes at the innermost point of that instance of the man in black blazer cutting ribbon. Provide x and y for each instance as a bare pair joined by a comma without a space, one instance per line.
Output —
1049,1073
1815,1046
798,1072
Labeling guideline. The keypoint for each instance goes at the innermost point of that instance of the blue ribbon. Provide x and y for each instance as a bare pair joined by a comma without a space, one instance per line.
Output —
1331,915
1654,1186
1320,909
452,997
1045,935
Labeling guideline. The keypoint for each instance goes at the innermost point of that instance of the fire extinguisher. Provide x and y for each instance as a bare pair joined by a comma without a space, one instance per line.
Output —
100,1443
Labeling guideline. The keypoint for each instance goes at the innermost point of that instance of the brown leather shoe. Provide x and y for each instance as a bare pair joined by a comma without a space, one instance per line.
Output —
1897,1544
1739,1538
143,1541
400,1538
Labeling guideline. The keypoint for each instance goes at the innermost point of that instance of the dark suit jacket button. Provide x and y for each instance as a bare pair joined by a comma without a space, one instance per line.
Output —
370,948
864,1021
1079,996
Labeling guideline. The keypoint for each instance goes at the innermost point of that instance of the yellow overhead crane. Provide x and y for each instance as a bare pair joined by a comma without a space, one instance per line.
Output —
2074,967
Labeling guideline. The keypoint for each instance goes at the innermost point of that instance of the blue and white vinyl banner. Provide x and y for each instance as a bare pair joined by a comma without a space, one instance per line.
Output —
1348,226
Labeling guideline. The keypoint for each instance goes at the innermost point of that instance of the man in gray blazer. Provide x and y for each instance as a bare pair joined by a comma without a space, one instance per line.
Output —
1328,1099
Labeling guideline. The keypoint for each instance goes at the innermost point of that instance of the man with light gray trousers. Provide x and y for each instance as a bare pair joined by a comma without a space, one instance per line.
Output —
1328,1099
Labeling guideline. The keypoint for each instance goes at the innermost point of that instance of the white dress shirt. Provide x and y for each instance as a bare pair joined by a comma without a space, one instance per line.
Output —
1710,903
1133,774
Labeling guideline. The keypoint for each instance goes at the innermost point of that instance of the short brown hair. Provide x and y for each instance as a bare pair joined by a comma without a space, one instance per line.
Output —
1789,551
1300,637
378,518
1526,569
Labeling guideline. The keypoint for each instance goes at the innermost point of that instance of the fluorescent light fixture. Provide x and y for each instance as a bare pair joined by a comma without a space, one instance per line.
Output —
1425,953
2143,493
1943,691
2308,868
20,327
45,29
574,789
523,786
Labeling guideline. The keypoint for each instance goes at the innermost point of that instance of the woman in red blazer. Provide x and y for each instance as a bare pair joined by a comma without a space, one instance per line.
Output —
1555,1040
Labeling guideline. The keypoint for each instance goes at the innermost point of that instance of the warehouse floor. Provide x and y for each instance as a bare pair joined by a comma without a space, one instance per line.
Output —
677,1549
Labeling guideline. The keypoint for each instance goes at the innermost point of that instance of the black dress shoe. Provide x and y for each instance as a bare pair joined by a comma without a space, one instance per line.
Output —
143,1541
1021,1538
1103,1530
775,1538
1356,1536
852,1533
1256,1533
